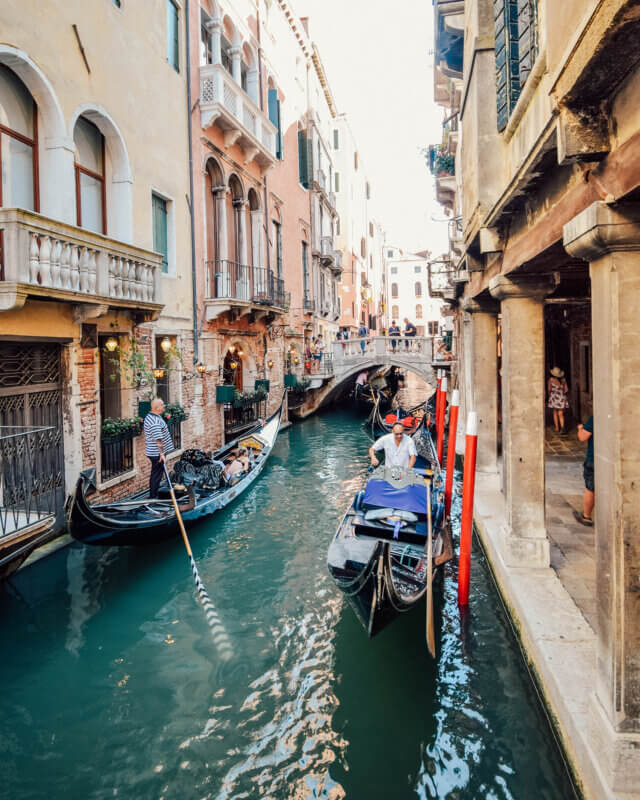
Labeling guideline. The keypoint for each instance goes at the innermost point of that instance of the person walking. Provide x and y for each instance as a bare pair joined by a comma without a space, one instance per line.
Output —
158,443
363,332
585,434
557,390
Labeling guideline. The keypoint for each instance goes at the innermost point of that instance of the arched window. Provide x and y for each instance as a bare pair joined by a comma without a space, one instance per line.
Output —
18,149
418,311
394,290
418,289
395,312
91,206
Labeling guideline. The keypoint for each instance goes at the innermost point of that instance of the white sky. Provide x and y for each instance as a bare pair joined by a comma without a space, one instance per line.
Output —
379,66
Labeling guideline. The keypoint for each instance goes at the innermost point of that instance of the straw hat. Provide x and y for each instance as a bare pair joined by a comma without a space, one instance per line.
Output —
557,372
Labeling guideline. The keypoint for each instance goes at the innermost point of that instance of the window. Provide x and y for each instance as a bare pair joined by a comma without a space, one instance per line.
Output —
160,239
371,229
395,312
418,311
336,140
305,267
389,253
363,247
368,192
337,182
225,54
516,48
206,53
355,160
418,289
394,270
277,243
432,327
173,32
420,330
18,143
417,268
274,118
116,3
338,227
91,212
394,290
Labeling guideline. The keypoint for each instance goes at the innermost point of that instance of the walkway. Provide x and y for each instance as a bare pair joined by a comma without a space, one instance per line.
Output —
572,545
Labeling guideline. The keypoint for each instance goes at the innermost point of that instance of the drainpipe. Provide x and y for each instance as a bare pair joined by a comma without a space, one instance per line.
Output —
310,190
264,180
194,288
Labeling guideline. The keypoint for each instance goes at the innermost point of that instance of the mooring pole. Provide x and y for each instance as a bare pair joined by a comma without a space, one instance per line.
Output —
451,449
438,382
443,409
466,525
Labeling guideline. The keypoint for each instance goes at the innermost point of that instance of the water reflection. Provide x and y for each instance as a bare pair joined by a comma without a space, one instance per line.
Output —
112,686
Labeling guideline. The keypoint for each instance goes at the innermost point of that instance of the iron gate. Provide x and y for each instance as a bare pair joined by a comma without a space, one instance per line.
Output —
30,396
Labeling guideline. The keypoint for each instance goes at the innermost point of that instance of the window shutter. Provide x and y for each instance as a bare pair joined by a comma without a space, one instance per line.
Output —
302,159
159,211
336,139
337,182
274,118
505,14
527,37
309,183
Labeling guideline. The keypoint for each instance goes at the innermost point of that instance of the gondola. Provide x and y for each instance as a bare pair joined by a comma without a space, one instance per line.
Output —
378,556
412,419
137,520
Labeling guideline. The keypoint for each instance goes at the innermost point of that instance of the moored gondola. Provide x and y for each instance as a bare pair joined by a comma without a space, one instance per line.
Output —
378,557
138,520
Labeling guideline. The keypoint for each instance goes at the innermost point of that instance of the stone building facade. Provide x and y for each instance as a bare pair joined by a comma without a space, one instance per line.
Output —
542,272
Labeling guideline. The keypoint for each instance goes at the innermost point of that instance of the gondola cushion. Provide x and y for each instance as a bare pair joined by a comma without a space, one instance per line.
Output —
380,494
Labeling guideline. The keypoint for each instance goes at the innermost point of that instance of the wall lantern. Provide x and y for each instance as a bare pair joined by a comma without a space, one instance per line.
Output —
158,373
270,363
233,365
202,368
165,344
111,344
240,352
296,360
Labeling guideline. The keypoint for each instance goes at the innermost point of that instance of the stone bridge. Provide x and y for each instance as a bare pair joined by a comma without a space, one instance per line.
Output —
415,354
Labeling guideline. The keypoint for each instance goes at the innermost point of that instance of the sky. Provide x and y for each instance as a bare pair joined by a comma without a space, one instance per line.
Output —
379,63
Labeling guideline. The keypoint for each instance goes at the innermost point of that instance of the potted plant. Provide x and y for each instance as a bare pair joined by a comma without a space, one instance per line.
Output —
262,383
120,429
174,412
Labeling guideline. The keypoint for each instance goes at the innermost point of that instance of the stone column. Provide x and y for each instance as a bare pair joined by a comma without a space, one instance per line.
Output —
484,380
609,238
236,61
523,392
214,28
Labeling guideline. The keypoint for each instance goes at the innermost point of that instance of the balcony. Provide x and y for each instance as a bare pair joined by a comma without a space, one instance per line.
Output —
308,303
50,260
242,288
224,103
327,253
441,279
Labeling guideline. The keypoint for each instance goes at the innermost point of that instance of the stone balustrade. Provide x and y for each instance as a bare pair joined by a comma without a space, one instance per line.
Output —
41,256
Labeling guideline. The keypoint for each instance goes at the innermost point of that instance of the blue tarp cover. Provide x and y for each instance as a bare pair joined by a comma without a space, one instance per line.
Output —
380,494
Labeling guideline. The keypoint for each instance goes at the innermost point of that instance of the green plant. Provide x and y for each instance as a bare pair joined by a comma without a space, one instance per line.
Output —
174,412
121,426
131,365
242,399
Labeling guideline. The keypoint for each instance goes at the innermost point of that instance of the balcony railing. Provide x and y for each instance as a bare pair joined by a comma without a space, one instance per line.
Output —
441,279
223,102
30,477
40,256
238,419
308,303
232,281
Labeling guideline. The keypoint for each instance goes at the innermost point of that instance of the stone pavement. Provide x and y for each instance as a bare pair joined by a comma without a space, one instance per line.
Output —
572,545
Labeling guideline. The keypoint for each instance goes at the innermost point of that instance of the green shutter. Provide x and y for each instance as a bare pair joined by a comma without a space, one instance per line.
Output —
302,159
309,163
159,210
274,118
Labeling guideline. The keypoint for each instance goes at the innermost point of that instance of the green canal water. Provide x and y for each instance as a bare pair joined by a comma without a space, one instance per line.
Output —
112,687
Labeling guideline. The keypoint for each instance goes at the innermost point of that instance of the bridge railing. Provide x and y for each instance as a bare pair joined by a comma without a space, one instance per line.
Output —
421,347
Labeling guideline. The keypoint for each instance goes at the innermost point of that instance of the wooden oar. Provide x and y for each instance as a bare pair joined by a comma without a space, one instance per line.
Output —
431,638
220,637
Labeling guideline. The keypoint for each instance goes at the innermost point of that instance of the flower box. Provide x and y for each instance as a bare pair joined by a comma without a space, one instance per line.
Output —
225,394
120,430
262,384
290,380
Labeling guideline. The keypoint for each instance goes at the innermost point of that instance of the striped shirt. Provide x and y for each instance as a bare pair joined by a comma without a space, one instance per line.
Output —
156,428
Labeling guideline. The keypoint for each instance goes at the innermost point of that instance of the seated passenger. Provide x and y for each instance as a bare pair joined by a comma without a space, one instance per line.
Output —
238,465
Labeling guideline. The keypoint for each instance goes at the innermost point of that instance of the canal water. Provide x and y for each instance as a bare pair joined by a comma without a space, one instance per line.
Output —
112,687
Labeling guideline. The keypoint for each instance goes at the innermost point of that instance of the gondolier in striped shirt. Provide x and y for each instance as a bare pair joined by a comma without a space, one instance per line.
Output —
158,443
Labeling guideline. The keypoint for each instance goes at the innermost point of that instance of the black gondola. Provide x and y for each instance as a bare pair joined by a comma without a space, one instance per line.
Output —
378,556
137,520
412,419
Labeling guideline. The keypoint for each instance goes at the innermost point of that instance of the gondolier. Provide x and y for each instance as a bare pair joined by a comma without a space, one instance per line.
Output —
399,449
158,443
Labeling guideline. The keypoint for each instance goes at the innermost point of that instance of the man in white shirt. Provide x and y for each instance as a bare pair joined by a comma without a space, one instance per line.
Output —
399,449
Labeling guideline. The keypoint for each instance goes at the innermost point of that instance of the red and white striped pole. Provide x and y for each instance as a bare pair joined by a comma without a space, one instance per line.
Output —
466,526
442,411
438,382
451,449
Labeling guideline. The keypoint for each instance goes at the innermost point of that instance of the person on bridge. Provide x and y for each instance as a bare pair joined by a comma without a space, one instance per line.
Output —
409,332
363,332
399,449
394,330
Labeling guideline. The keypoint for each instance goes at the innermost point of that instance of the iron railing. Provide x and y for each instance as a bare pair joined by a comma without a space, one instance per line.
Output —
116,457
29,477
175,431
233,281
237,419
308,302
